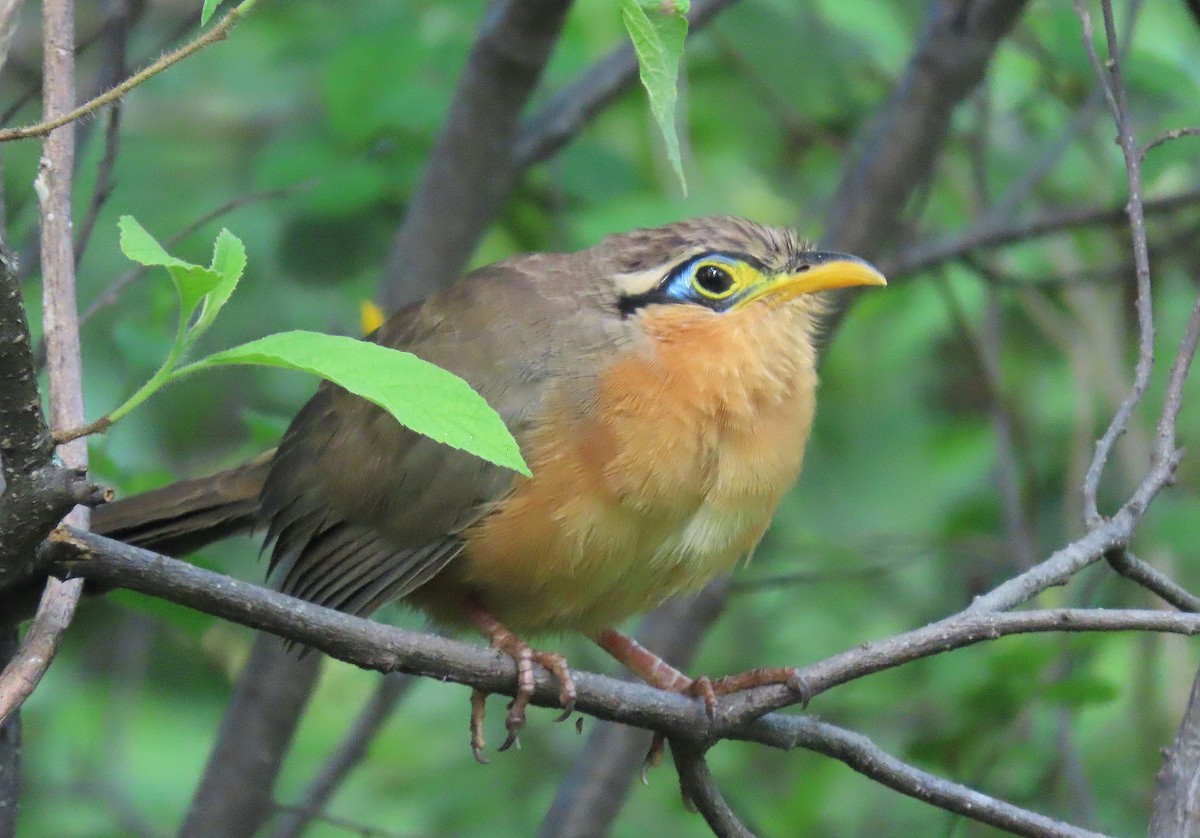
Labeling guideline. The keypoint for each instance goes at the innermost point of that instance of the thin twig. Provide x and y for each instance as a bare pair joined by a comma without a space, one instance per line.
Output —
39,645
867,758
1109,76
218,33
357,828
698,787
113,68
1155,581
98,426
1167,136
990,235
10,747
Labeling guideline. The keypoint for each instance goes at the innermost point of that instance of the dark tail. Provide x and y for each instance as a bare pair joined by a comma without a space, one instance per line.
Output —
185,516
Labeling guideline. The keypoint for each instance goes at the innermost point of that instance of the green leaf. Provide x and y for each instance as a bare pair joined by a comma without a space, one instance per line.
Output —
421,396
228,263
143,248
658,29
210,6
192,282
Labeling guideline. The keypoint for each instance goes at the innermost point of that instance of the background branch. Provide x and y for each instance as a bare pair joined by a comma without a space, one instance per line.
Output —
387,696
471,169
254,738
1177,796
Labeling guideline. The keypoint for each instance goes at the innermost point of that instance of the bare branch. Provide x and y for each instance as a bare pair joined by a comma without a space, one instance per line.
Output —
1167,136
867,758
61,326
21,676
1110,79
591,795
698,787
1136,570
68,115
1001,232
903,143
10,748
385,648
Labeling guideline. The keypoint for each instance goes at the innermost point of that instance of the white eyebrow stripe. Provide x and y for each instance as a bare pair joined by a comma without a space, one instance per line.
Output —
639,282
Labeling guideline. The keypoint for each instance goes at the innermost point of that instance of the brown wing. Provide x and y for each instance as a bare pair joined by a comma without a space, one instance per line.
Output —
361,510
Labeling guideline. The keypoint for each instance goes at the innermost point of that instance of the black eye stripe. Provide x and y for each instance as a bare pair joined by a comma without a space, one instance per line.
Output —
628,304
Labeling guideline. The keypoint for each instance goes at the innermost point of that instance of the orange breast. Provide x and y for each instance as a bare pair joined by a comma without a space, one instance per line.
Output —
667,479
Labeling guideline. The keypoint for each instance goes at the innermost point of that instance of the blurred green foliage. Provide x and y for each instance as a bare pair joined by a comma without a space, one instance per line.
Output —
897,520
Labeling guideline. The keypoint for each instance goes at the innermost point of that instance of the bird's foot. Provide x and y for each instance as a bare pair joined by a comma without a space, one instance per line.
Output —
658,673
525,657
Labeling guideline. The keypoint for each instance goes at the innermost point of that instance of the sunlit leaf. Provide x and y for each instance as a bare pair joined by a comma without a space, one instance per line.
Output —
421,396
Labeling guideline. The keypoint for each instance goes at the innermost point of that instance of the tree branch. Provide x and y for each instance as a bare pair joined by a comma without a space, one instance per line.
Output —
1112,83
592,794
699,788
868,759
60,324
40,644
1001,232
375,646
10,747
471,168
391,690
904,141
254,737
1177,795
1136,570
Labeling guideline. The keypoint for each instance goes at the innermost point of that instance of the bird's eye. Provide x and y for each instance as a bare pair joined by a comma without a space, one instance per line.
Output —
713,281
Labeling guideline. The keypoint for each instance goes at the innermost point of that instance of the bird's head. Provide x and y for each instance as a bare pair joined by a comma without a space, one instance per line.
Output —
724,264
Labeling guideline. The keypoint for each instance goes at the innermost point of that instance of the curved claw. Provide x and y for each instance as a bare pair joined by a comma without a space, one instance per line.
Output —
515,720
510,741
524,656
654,756
568,703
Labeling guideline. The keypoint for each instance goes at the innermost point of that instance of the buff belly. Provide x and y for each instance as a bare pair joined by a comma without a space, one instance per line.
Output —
667,483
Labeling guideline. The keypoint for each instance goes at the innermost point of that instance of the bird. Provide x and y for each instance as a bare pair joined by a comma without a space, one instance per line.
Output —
661,385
